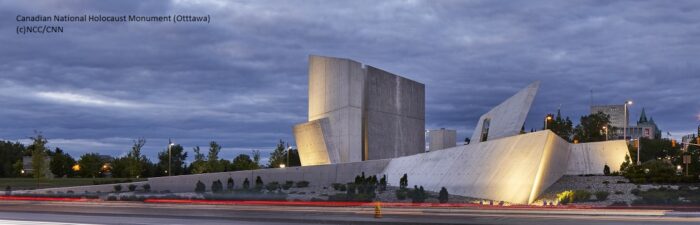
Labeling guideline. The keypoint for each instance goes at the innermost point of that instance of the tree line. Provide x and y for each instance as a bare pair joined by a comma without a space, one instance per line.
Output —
134,164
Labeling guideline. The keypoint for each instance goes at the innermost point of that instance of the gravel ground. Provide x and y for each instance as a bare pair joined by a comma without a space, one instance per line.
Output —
618,187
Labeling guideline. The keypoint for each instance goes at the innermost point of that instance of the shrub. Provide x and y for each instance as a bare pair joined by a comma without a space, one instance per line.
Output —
336,186
258,183
246,184
606,182
147,187
117,188
572,196
418,195
606,170
287,185
619,192
200,188
601,195
272,186
217,186
229,184
70,192
302,184
351,189
443,197
382,183
635,192
132,187
111,198
403,182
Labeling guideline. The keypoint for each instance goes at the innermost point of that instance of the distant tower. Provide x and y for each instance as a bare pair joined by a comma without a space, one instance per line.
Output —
698,130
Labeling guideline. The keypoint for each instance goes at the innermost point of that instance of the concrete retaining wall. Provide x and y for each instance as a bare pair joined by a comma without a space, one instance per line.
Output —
590,158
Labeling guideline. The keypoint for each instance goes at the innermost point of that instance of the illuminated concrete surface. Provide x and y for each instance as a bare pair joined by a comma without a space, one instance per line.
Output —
508,117
591,158
313,140
372,114
513,169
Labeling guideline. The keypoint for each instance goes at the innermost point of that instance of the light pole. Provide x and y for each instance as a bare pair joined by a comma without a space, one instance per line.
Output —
624,131
289,148
170,158
546,120
605,129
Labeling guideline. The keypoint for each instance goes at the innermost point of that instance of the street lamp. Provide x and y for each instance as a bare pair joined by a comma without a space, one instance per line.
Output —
605,129
546,119
289,148
282,166
624,131
170,158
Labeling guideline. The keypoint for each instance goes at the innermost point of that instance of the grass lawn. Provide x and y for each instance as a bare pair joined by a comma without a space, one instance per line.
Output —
31,183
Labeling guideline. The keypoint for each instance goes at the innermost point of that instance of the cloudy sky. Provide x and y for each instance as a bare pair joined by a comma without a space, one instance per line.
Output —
241,80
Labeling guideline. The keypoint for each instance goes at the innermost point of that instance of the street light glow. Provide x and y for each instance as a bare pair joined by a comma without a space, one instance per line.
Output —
282,166
629,102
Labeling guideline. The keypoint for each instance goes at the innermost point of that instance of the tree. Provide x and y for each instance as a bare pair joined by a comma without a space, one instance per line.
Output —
443,196
61,164
243,162
562,127
606,170
590,128
293,158
135,159
10,154
213,158
178,157
90,165
277,157
38,149
198,165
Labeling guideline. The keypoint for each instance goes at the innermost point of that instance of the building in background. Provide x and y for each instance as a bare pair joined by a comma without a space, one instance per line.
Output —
618,119
441,139
28,169
646,128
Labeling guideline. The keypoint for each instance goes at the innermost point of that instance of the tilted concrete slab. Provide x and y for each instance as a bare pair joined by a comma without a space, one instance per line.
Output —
507,118
314,141
591,158
515,169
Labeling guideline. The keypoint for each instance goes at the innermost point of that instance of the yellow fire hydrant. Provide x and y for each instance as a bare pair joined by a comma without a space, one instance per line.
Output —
377,210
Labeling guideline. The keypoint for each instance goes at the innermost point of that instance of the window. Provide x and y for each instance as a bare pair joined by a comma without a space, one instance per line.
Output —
485,129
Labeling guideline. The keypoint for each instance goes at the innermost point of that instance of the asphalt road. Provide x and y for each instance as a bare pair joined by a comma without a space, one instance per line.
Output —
21,212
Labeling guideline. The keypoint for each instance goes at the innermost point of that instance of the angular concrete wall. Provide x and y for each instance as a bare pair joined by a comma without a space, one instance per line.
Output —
591,158
336,90
313,140
508,117
320,175
372,114
514,169
395,115
442,139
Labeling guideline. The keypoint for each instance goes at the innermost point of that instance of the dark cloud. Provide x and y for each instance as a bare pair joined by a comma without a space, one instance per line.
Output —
241,80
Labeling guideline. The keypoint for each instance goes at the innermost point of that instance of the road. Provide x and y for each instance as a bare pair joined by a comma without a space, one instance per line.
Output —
32,212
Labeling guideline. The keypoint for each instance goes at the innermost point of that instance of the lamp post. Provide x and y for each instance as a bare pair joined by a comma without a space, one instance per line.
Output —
170,158
289,148
546,120
605,129
624,131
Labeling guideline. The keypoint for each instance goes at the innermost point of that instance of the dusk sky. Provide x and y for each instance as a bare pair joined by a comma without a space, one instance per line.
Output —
241,80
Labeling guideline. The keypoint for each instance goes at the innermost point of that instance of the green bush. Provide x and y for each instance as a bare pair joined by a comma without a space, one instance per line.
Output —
200,188
229,184
606,170
601,195
287,185
132,187
117,188
443,196
336,186
246,184
418,194
272,186
302,184
147,187
258,183
382,183
402,193
217,186
635,191
572,196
